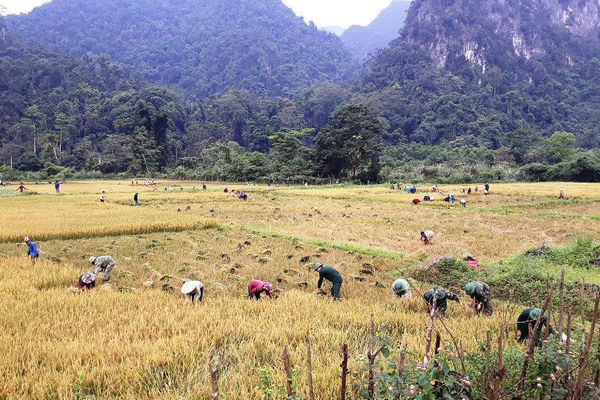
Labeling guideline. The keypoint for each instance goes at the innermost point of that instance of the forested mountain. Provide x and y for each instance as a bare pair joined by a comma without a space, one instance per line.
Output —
476,72
471,90
89,114
204,47
56,110
363,40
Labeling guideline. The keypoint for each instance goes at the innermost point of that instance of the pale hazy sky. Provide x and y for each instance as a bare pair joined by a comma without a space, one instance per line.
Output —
322,12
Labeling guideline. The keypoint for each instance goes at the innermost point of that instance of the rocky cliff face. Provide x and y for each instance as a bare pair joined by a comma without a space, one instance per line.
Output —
484,32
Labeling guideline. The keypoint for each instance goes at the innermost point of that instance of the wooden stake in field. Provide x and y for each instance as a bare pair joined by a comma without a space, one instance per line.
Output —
568,346
311,392
488,349
288,372
430,326
561,294
214,379
344,371
401,363
500,370
583,364
371,358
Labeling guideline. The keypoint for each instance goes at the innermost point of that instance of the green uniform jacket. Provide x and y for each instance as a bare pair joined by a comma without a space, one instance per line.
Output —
330,274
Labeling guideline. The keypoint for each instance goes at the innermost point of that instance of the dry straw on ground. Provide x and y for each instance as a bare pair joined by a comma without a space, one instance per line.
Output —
136,340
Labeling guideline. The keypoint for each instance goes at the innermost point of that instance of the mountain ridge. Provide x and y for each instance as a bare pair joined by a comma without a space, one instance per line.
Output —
204,48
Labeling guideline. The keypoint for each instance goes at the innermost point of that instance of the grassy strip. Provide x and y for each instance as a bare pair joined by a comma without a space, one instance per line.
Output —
539,214
135,230
371,251
362,199
553,202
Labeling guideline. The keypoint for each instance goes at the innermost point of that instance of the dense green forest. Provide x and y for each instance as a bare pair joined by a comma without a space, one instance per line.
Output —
404,119
200,47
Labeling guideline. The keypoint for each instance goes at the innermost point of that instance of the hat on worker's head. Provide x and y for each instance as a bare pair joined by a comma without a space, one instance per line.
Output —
88,278
398,285
470,288
26,239
535,313
188,287
441,294
317,266
92,259
267,286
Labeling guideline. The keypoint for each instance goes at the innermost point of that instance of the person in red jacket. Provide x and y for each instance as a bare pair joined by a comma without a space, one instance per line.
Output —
256,288
416,202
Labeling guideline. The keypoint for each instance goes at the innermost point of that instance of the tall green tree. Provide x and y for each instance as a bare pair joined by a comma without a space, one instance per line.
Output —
290,158
144,151
519,142
351,143
560,146
160,126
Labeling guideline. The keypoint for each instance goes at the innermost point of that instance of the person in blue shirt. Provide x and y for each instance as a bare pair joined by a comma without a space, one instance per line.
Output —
32,250
57,187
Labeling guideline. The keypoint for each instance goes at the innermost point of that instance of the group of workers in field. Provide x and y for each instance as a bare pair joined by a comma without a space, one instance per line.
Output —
448,197
193,290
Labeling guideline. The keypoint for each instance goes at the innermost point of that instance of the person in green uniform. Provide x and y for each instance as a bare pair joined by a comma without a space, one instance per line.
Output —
481,296
332,276
441,304
527,320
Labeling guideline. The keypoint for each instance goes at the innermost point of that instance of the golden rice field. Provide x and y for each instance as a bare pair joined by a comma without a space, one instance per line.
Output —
134,340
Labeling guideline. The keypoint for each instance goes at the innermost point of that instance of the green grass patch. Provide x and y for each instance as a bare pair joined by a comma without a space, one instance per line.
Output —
349,247
527,277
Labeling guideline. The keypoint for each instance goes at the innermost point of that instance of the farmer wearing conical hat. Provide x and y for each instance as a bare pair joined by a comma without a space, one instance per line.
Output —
103,264
427,237
401,288
333,276
86,281
527,321
256,288
481,297
191,289
442,300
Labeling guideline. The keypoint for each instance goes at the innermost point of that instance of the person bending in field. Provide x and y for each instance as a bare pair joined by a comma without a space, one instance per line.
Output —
256,288
193,289
561,194
401,288
86,281
32,250
441,305
527,320
104,265
481,297
416,202
427,237
333,276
